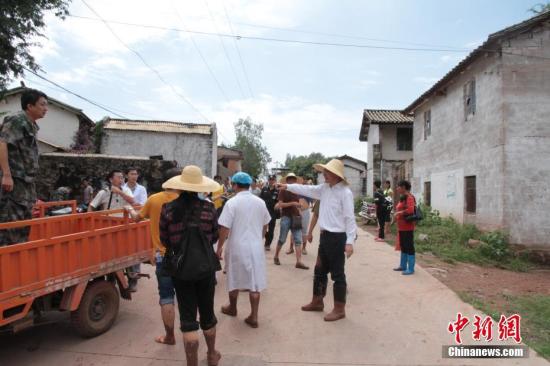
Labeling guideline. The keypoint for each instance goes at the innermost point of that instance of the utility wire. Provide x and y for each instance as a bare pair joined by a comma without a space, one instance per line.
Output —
155,71
223,46
238,50
222,91
334,44
281,40
73,93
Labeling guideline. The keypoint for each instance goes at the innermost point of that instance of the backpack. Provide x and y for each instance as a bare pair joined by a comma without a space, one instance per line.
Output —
193,259
417,215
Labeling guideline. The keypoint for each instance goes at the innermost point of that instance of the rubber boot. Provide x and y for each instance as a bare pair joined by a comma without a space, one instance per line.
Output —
339,311
192,353
316,304
402,263
411,260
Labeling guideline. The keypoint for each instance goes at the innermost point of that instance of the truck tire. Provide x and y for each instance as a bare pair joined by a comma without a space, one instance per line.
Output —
98,309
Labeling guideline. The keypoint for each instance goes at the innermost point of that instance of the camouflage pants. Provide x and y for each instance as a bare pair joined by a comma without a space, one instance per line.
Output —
13,209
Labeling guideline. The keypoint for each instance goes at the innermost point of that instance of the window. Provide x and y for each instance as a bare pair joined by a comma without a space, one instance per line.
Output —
427,123
404,139
469,99
428,193
470,194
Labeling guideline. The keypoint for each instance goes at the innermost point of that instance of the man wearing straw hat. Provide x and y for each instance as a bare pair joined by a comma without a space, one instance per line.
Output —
338,233
243,224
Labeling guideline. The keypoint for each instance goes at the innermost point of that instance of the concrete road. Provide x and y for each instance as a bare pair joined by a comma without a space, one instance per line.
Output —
391,320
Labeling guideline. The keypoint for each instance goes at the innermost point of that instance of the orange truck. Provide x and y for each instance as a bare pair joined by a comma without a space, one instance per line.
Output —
72,263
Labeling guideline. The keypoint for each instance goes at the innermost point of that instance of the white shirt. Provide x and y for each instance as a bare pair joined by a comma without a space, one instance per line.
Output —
336,212
245,215
139,192
101,200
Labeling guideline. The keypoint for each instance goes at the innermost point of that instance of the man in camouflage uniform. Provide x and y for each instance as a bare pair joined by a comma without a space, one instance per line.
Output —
19,164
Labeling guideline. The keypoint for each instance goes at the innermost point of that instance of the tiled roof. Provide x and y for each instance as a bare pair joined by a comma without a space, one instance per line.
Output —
227,152
158,126
491,45
382,116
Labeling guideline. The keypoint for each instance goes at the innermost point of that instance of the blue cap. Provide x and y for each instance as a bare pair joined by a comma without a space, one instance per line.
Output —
241,178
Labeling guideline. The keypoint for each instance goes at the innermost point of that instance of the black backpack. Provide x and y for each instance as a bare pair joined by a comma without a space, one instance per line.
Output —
417,215
193,259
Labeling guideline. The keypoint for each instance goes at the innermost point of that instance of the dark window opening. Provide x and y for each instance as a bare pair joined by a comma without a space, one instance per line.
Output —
427,124
404,139
469,99
470,194
428,193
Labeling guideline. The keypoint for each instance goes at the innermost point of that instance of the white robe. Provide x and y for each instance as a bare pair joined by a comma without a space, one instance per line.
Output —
245,216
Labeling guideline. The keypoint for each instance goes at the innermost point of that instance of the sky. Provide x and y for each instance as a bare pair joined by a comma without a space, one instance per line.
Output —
310,98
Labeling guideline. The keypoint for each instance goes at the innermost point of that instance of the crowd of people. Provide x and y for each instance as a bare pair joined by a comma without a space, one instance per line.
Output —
196,222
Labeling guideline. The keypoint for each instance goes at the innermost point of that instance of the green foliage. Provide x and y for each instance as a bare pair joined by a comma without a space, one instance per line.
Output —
535,313
357,204
98,134
302,165
448,240
83,140
494,245
249,141
20,22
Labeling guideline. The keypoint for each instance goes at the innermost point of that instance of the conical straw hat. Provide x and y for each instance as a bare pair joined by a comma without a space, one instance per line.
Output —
191,180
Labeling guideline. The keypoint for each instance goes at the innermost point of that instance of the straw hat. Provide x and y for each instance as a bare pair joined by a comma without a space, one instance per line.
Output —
334,166
289,175
191,180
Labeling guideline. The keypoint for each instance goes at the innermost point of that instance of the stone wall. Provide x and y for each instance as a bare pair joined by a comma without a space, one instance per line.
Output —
61,169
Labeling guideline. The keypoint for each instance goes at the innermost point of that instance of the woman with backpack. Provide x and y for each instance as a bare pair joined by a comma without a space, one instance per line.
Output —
404,214
189,229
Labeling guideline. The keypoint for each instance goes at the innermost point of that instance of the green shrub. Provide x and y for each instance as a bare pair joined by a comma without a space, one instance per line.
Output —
494,245
357,204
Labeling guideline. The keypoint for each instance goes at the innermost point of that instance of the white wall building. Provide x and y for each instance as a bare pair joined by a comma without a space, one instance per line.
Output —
389,135
57,128
185,143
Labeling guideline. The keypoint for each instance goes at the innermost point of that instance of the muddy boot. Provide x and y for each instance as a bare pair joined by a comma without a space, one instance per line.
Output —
192,353
339,311
316,304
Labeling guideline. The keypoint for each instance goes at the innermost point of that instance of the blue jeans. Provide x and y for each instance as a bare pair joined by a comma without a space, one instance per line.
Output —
285,228
165,283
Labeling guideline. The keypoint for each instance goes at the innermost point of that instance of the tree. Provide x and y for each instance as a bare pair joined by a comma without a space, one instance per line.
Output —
82,140
20,22
540,8
302,165
249,141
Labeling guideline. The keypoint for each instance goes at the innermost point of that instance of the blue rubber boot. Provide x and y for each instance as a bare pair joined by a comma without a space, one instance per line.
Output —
402,263
411,260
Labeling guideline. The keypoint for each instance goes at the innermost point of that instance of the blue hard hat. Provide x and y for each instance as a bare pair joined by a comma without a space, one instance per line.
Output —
241,178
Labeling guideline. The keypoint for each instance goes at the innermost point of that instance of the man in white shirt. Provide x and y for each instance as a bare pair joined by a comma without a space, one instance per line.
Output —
140,197
338,234
243,223
112,197
138,191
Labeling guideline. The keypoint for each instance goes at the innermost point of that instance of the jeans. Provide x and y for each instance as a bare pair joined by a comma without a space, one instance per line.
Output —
286,221
165,284
331,259
193,296
270,232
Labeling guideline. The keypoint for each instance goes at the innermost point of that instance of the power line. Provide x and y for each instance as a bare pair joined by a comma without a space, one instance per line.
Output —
223,47
281,40
238,50
73,93
316,43
155,71
222,91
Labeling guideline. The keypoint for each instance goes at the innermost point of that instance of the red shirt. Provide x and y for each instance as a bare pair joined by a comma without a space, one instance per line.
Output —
407,206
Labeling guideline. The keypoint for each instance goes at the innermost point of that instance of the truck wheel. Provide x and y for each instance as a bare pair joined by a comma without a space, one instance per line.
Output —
97,311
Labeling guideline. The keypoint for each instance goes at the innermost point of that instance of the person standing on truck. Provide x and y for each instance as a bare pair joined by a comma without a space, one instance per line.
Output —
151,210
178,218
19,164
114,196
140,197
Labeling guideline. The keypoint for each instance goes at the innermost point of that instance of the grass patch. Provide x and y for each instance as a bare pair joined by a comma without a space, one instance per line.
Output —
535,315
448,240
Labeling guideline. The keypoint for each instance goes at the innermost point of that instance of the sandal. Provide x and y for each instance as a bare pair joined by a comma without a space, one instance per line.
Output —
277,261
251,323
162,340
228,311
290,251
